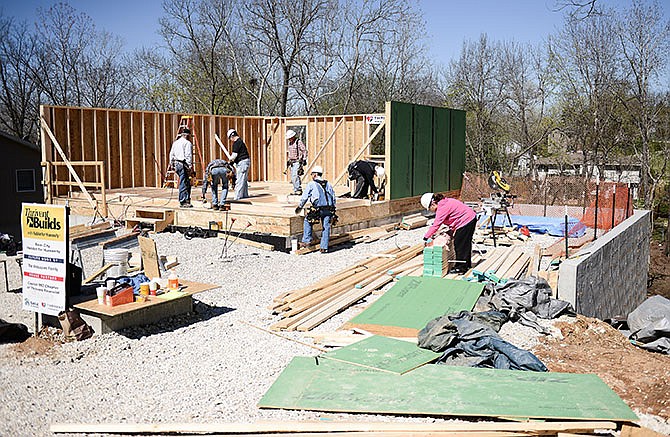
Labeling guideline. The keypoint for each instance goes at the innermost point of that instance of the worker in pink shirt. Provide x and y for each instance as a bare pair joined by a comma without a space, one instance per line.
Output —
461,220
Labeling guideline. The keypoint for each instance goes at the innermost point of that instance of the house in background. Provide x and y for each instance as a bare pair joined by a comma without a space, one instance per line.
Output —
20,180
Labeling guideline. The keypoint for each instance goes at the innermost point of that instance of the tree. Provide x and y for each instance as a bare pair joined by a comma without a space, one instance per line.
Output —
475,86
287,30
18,90
195,34
644,38
527,84
585,57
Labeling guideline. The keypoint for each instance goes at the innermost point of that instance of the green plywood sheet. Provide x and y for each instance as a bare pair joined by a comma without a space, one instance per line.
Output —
422,149
441,146
384,354
457,156
414,301
327,385
401,150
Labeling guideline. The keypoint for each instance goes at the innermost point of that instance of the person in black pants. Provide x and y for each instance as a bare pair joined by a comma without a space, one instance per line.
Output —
363,173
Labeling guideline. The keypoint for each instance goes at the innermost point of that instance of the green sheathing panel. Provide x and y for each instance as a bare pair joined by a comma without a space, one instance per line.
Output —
327,385
457,156
401,150
441,148
422,150
414,301
384,353
425,148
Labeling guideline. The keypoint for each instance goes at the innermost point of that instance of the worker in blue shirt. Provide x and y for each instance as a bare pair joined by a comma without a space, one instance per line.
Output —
319,192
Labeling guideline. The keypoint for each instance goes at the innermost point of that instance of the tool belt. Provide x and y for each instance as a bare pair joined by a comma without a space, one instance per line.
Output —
313,214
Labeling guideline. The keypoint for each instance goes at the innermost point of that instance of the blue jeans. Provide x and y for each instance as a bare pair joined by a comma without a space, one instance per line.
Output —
242,184
326,217
184,182
219,174
295,179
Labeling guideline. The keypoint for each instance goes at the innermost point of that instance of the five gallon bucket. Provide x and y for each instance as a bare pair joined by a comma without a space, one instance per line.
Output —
119,258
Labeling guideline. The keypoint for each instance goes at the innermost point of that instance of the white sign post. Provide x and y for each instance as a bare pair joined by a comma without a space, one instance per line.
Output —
45,256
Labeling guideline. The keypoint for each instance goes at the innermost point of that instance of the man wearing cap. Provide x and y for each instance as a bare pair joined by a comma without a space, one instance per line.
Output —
461,220
297,157
240,157
181,159
322,197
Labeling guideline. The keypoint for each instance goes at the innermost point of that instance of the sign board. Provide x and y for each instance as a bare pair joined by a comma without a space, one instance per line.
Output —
374,119
44,233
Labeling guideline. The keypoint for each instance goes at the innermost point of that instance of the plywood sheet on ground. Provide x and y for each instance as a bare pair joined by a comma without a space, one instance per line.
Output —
414,301
327,385
384,354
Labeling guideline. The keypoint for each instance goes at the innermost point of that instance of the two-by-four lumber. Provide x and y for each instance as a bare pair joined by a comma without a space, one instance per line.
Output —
326,428
491,257
328,295
316,299
535,261
502,269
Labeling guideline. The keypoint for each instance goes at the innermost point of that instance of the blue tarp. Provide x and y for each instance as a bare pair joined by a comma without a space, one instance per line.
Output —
554,226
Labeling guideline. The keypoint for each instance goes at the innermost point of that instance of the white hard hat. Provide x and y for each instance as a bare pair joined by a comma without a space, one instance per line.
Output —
317,169
425,200
380,171
290,134
231,132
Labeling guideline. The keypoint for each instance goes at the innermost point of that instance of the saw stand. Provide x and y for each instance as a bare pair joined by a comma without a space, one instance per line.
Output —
497,204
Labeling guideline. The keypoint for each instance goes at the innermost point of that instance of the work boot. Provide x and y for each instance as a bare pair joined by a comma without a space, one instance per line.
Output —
324,250
302,245
186,205
215,207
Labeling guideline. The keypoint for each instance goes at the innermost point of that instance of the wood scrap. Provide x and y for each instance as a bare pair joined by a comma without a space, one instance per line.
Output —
97,273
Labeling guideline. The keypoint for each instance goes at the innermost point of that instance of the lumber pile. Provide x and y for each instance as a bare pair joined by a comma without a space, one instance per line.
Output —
308,307
367,235
505,236
502,264
437,256
413,221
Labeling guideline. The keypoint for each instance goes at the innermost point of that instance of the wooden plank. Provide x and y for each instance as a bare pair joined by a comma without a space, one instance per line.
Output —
97,273
323,146
338,387
150,261
384,354
535,260
329,427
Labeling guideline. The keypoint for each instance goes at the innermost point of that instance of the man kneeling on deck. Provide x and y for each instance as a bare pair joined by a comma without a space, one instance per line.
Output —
322,197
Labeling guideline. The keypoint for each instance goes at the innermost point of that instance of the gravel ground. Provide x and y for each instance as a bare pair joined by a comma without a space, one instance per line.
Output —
209,366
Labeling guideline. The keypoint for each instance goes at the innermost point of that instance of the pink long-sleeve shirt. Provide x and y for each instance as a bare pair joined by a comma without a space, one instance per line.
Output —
452,213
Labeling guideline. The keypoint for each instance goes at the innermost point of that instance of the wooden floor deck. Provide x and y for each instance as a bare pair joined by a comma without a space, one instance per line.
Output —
270,209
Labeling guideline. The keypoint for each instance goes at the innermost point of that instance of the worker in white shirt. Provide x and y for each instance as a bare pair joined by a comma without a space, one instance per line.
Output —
181,159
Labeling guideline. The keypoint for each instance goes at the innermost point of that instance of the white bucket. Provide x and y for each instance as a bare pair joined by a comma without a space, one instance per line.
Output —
119,258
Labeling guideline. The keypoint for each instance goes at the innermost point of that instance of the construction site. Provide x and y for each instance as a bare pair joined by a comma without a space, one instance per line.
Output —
378,336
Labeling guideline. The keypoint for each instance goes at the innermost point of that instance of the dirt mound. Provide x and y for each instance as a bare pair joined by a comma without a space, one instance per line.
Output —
659,271
639,377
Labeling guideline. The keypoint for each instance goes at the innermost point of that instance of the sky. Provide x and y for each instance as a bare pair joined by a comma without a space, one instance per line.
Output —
448,22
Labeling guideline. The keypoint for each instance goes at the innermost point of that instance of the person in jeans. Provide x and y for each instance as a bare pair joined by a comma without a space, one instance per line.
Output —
322,197
181,159
240,157
218,171
297,158
461,220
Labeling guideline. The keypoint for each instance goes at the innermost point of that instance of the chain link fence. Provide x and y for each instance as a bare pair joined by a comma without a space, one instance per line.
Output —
598,207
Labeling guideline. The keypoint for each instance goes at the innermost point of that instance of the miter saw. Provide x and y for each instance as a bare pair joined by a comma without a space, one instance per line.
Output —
498,201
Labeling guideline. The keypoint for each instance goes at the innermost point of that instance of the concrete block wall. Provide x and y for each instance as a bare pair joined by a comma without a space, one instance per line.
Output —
609,278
